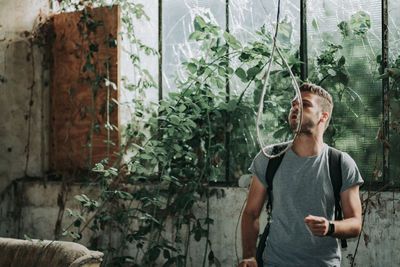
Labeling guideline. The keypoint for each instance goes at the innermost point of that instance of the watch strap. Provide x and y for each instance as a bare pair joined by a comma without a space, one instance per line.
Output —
331,229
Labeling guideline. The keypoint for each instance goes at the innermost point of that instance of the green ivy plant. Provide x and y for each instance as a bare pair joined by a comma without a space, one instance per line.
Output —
168,161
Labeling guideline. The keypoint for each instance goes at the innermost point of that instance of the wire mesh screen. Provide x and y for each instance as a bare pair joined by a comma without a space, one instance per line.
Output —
394,61
344,56
178,16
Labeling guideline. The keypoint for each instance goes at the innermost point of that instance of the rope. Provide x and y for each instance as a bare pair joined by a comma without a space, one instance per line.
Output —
260,111
295,85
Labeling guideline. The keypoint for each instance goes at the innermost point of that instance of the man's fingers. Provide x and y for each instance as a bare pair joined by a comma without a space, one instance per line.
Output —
317,225
314,219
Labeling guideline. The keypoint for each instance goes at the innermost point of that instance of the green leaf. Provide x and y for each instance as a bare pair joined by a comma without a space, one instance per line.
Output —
222,50
360,23
344,28
244,57
77,223
232,105
146,156
252,72
182,108
241,73
223,106
342,61
285,31
232,41
197,235
211,256
154,253
191,123
379,59
93,48
124,195
98,167
166,254
196,35
192,68
221,71
199,24
177,148
174,119
394,73
315,25
82,198
149,76
383,76
220,83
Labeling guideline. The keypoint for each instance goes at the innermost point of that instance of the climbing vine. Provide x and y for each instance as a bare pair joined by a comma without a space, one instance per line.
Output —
173,151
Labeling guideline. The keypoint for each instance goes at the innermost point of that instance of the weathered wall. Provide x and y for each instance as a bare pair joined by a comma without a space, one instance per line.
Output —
24,81
35,203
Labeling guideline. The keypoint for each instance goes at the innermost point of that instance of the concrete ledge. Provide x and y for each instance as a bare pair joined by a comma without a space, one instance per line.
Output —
24,253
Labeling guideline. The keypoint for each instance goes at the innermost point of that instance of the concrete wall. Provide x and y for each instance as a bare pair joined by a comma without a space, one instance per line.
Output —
24,80
33,210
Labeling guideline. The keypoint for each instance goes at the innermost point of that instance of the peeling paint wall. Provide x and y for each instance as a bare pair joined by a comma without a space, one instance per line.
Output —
24,92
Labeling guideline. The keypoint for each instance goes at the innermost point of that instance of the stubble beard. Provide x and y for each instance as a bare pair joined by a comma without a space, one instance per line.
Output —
306,127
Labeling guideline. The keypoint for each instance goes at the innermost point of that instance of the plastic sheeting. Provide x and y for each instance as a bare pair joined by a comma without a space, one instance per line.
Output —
245,18
361,99
361,103
178,16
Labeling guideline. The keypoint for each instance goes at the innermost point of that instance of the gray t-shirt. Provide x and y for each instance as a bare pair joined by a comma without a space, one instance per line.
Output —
302,187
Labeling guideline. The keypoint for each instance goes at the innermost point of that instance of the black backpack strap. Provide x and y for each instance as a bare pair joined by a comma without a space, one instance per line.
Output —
272,167
335,172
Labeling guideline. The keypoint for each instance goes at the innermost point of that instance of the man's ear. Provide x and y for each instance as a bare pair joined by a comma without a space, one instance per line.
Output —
324,116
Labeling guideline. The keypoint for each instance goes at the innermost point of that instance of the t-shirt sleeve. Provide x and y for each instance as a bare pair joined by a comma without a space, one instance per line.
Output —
259,166
350,174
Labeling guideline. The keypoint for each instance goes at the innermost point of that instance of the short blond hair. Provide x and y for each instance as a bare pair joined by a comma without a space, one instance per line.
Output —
325,98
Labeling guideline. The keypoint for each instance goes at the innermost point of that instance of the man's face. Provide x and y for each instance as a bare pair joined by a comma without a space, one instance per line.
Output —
311,113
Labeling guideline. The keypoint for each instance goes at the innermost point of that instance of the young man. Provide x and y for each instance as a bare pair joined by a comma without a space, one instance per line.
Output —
303,197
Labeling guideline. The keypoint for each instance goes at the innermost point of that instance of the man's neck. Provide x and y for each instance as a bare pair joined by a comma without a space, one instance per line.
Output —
308,145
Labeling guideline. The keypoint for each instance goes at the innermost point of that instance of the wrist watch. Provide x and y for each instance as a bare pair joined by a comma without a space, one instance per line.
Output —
331,228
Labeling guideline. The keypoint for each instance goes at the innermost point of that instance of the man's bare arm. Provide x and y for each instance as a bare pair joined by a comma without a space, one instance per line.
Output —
250,221
351,207
347,228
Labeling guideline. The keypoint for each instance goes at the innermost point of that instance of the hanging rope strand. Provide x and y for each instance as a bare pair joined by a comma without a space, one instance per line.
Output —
295,85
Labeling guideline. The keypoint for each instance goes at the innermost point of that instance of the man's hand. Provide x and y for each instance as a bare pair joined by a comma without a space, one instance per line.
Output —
251,262
319,226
